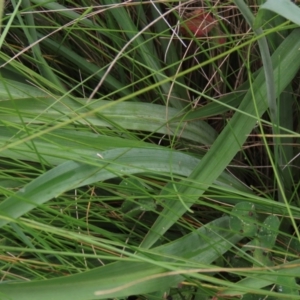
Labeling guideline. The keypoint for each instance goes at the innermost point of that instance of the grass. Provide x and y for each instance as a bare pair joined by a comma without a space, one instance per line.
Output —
139,161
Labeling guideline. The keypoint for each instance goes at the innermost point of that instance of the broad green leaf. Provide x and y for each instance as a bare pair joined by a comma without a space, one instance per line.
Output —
261,280
283,8
129,115
120,279
287,286
102,166
10,89
59,146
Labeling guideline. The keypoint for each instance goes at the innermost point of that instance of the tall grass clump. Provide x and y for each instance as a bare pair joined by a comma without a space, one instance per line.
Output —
149,150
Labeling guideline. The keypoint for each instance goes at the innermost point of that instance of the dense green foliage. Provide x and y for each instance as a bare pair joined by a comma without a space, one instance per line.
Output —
136,161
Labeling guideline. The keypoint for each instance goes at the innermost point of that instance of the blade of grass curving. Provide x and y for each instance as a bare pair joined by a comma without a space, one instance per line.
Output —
258,281
284,8
62,145
130,115
17,90
114,163
268,20
122,278
232,137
